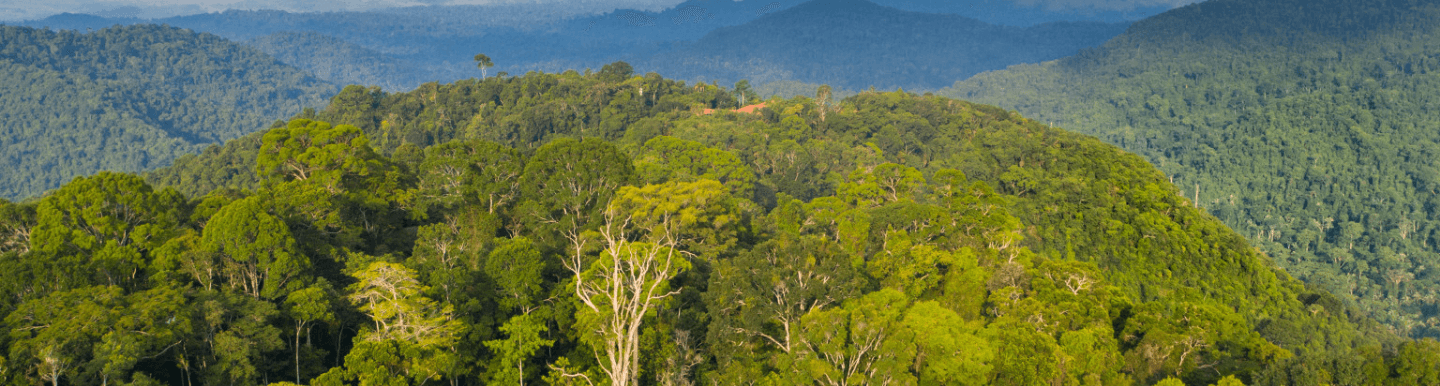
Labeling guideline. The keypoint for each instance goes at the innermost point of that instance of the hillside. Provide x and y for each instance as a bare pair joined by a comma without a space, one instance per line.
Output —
130,99
339,62
1049,256
1307,126
855,44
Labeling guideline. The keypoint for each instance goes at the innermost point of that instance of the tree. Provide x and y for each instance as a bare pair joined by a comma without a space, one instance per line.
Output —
616,72
484,63
480,172
948,349
644,231
569,183
315,151
236,338
1417,363
389,294
887,182
450,254
57,334
758,298
259,256
856,344
666,158
517,267
523,341
105,225
411,336
822,100
308,306
743,91
16,223
95,334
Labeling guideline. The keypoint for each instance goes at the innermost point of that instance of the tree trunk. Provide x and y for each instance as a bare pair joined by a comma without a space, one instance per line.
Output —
298,327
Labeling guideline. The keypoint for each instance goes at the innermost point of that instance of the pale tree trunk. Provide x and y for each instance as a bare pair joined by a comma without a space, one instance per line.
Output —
629,280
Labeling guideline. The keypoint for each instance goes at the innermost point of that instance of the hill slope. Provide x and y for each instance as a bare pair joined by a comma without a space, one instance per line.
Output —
339,62
130,99
1308,126
855,44
1169,276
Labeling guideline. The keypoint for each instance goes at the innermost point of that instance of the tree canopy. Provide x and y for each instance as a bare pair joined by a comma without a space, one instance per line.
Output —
900,239
130,99
1306,126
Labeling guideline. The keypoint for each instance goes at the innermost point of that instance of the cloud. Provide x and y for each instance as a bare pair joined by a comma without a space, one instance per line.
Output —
1102,5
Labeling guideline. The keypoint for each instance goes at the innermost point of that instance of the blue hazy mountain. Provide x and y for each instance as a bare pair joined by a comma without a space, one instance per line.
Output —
698,39
855,44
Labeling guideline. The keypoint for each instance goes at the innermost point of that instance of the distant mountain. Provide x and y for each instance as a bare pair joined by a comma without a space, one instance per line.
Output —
857,44
765,41
130,99
338,61
1307,125
1021,14
460,20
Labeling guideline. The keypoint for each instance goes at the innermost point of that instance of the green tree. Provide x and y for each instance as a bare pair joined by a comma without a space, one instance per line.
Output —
17,221
1417,363
258,255
522,342
644,240
306,150
855,344
665,158
949,350
94,334
313,304
517,268
106,225
411,337
236,338
479,172
569,183
484,63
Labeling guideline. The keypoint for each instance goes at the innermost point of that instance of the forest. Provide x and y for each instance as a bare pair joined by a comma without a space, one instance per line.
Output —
130,99
847,44
599,228
1307,126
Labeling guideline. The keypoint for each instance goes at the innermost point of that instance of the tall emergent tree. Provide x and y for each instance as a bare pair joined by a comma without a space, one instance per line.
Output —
643,232
484,63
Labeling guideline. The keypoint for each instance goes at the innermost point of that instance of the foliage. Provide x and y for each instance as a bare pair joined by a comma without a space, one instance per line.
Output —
886,237
1303,125
130,99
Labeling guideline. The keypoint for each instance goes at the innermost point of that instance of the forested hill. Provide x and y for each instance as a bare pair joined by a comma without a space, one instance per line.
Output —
886,237
856,44
339,61
130,99
849,44
1308,126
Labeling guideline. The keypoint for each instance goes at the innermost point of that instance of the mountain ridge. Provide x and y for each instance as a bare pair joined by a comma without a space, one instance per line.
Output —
849,44
133,98
1310,133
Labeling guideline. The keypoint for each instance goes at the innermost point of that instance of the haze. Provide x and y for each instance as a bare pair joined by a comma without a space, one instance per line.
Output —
37,9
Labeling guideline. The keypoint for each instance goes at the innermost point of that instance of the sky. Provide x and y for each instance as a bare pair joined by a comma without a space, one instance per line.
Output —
15,10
